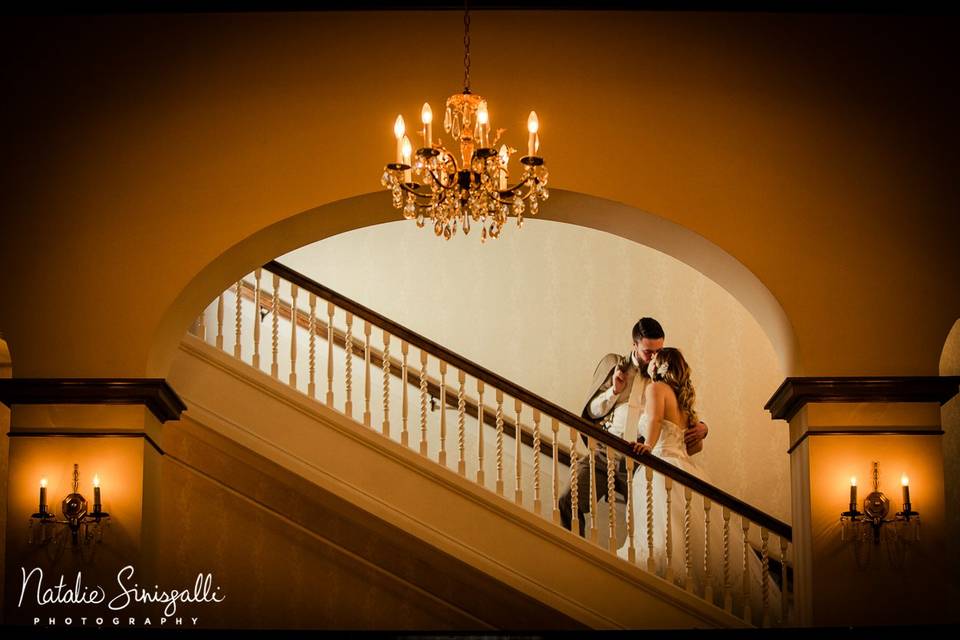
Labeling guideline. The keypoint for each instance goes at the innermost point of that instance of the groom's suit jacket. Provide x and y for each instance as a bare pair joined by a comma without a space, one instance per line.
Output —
603,380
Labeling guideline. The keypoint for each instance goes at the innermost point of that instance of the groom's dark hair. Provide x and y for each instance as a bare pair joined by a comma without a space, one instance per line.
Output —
647,328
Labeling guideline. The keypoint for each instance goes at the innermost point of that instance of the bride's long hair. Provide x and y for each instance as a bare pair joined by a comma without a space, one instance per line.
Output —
673,369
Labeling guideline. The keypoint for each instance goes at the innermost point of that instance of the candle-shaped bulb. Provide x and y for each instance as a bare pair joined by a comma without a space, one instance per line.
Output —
398,129
483,118
43,496
504,160
905,482
853,481
426,117
406,151
96,493
533,125
536,143
853,493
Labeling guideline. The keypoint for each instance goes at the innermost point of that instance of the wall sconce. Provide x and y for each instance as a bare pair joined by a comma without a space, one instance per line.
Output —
859,525
85,527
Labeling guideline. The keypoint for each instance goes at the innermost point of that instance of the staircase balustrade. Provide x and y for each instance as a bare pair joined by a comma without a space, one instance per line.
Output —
708,576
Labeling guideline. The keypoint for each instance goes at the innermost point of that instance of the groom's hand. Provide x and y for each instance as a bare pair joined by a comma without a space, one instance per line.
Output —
693,437
619,380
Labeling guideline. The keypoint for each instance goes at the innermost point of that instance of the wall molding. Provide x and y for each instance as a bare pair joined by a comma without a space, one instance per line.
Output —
155,394
44,433
794,393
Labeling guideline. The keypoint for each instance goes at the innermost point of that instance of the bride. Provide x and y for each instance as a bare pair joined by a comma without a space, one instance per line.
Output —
668,410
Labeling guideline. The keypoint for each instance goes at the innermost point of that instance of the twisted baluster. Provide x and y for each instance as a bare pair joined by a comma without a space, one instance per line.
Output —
651,566
499,442
518,492
592,452
275,366
220,321
461,417
256,319
555,492
687,523
348,366
746,569
312,385
707,574
480,414
237,322
631,525
330,310
536,462
783,581
386,384
423,403
574,485
442,456
668,527
293,336
404,436
765,573
366,377
727,586
612,461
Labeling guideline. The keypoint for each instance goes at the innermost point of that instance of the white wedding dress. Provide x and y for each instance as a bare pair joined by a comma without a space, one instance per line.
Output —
671,448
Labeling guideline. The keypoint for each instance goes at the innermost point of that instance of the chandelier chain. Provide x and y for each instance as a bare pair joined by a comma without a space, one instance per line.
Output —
466,47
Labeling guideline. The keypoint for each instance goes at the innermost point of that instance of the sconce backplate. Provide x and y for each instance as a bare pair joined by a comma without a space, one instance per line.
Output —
876,505
74,506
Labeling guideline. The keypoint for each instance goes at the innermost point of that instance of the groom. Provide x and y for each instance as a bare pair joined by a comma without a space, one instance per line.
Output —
615,405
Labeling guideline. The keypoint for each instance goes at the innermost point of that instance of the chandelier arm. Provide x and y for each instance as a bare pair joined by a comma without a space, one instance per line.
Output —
515,189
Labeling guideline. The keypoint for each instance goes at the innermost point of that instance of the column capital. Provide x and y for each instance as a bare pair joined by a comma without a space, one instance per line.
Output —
795,393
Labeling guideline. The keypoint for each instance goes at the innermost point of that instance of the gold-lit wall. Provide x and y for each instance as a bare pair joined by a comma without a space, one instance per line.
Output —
151,160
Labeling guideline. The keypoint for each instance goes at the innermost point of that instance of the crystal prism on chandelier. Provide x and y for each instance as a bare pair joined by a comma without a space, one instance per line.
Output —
471,187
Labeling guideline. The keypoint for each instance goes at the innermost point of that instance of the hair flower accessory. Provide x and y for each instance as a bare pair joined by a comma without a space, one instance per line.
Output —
662,369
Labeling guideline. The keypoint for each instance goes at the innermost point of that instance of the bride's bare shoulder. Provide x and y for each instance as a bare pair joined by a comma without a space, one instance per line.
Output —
660,388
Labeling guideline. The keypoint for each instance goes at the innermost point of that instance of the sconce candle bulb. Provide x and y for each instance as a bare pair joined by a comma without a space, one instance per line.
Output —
905,481
43,495
96,494
853,493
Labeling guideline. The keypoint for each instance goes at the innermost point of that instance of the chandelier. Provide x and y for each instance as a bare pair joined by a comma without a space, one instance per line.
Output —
472,186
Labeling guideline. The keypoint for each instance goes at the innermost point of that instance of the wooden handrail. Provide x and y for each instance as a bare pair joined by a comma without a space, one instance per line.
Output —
531,399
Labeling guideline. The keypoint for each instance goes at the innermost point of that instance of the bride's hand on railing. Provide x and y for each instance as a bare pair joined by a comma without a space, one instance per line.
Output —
640,448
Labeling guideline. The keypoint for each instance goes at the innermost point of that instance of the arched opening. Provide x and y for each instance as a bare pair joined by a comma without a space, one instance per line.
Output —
564,206
742,351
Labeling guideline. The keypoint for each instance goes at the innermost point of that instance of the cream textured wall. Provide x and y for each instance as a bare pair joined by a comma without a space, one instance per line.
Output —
542,305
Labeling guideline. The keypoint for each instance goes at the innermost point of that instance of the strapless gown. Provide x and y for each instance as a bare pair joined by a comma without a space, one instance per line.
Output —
671,448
